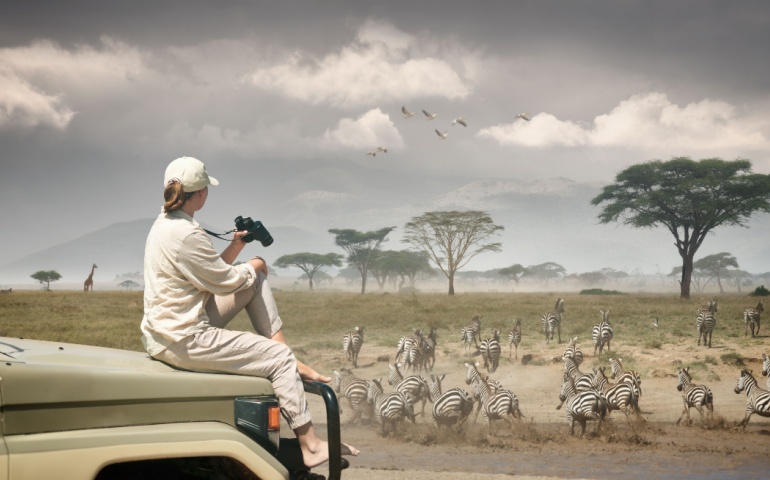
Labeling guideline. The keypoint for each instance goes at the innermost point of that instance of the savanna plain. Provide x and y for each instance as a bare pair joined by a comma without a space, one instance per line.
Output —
538,446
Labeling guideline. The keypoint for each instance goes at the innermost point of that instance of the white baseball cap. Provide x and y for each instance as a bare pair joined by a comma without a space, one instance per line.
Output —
190,172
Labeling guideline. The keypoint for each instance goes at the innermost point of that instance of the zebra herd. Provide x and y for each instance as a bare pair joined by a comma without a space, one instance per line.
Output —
451,409
585,396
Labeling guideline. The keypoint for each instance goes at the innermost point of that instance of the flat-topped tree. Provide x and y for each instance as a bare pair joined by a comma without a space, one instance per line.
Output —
689,198
310,263
361,247
451,239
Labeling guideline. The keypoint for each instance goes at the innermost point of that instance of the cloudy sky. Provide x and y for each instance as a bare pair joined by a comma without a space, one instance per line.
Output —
97,97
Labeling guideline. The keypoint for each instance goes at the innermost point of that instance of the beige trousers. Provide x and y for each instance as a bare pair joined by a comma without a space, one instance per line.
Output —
216,349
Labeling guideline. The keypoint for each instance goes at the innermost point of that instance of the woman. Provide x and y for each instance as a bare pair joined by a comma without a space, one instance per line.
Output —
192,292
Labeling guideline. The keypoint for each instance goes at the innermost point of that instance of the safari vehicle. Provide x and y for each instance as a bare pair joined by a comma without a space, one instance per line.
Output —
82,412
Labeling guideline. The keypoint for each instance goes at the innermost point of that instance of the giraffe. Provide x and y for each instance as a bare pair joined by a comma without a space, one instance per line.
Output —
89,283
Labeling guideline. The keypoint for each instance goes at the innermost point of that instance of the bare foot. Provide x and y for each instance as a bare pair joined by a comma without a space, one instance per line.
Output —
319,454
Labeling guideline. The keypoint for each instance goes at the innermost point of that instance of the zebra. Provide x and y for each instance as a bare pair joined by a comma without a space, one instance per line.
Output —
10,290
429,347
452,408
490,351
354,389
693,395
414,386
514,337
405,342
391,408
620,396
473,375
581,406
496,405
625,376
766,368
602,333
582,381
351,344
551,321
757,399
414,358
751,318
469,333
705,321
573,351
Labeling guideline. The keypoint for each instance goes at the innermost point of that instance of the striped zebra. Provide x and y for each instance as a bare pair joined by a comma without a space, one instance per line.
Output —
452,408
582,381
354,389
573,351
10,290
705,321
429,347
472,375
581,406
693,395
496,405
351,344
551,321
389,408
490,351
514,337
766,368
469,333
414,386
620,396
602,333
405,342
757,399
631,377
751,318
414,358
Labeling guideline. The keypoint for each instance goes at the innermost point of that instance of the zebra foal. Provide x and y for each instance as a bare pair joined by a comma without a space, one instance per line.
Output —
514,337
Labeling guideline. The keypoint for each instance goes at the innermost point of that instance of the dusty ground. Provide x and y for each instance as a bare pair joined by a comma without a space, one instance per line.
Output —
541,447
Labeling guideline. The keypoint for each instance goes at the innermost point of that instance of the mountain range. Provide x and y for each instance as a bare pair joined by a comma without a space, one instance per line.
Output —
544,221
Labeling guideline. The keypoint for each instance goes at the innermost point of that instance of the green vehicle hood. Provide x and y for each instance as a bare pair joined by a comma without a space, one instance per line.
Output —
52,386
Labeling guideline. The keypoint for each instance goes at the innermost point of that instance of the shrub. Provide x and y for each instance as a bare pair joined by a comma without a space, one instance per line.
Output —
600,291
760,291
733,359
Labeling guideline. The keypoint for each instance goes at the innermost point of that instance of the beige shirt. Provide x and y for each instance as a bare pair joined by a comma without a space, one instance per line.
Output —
181,272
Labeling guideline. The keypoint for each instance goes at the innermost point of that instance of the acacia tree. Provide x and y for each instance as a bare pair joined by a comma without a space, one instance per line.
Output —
361,247
451,238
545,272
716,266
46,277
688,198
399,266
128,285
515,272
310,263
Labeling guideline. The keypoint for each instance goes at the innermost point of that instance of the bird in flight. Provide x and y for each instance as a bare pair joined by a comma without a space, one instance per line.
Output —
381,149
372,153
461,121
429,116
655,322
441,135
523,116
406,112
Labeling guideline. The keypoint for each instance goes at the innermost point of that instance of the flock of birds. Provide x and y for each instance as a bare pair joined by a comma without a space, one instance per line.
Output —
585,396
442,135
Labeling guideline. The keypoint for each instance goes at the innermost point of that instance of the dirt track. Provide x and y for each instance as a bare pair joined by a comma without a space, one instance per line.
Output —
541,445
